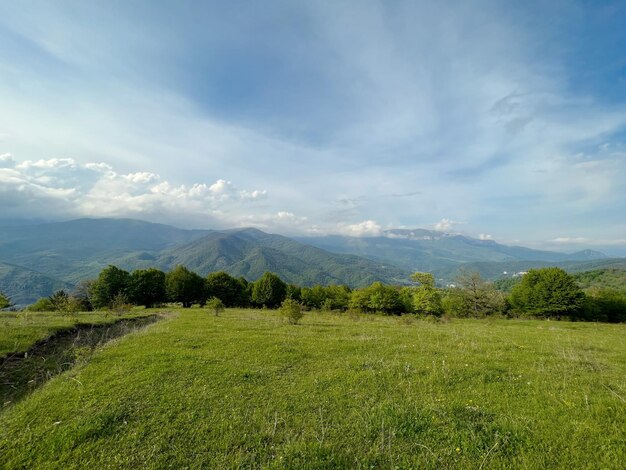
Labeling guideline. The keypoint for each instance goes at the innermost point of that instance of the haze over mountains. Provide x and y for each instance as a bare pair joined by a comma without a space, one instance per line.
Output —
37,259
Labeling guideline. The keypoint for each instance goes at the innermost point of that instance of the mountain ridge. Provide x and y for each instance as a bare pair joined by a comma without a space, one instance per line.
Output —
64,253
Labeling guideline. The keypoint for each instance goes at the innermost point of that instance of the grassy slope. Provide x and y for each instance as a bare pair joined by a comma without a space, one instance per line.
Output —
19,331
244,389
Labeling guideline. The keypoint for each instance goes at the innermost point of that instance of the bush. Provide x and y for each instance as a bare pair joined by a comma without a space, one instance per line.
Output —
604,305
292,311
44,304
120,304
216,305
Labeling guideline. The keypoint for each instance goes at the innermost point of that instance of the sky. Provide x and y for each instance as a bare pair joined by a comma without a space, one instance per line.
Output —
500,120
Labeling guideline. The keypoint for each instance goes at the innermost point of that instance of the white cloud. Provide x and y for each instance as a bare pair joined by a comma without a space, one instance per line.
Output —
458,99
446,225
569,240
56,188
367,228
485,236
6,161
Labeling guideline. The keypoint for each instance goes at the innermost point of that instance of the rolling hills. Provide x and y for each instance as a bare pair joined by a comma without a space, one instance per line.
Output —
445,254
40,258
25,285
68,252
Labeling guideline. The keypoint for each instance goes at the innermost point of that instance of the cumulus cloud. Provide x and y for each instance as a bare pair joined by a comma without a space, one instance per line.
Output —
569,240
465,103
485,236
446,225
6,161
367,228
61,187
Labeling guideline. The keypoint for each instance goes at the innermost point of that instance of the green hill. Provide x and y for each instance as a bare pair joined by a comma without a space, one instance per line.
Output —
24,286
251,252
46,256
438,252
79,249
611,278
68,252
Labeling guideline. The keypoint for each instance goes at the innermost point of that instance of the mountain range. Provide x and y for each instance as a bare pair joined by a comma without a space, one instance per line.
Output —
38,258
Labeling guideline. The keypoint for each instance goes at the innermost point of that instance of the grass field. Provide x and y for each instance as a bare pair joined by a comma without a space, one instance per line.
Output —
20,330
247,390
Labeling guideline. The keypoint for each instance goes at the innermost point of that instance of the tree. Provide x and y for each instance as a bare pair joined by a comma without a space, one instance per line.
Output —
604,305
424,279
246,292
269,290
184,286
359,300
473,297
382,298
426,297
5,301
313,297
147,287
58,300
226,288
216,305
111,282
82,295
61,301
427,301
337,297
547,292
294,292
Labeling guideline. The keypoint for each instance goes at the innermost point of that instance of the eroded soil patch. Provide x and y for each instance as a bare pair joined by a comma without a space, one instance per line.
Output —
21,373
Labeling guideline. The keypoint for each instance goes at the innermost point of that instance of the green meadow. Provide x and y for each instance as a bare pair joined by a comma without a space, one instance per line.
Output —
247,390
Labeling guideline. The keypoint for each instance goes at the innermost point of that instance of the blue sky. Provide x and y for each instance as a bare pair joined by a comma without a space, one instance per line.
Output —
487,118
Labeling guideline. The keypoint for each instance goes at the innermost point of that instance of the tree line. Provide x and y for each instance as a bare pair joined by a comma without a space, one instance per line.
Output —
541,293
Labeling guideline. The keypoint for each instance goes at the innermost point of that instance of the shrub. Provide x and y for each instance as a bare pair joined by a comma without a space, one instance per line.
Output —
44,304
292,311
216,305
120,304
604,305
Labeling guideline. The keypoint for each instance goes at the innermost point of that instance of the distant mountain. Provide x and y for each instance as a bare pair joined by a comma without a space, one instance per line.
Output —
504,269
251,252
24,286
68,252
438,252
79,249
38,258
